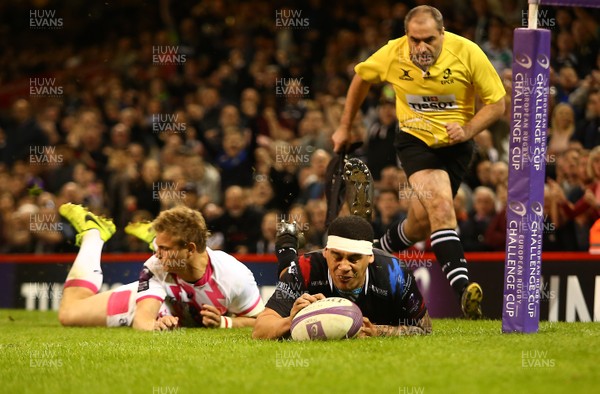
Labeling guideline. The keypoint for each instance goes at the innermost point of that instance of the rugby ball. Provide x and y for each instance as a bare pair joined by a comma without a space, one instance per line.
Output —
330,318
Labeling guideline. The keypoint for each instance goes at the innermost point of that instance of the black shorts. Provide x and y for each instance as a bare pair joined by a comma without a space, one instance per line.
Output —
416,155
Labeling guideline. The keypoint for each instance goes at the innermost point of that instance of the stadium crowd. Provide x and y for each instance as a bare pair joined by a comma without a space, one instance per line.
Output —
228,107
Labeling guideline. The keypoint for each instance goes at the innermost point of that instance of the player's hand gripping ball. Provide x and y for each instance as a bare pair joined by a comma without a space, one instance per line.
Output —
329,318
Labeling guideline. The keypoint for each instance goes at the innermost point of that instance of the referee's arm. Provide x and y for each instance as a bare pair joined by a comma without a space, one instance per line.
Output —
485,117
354,98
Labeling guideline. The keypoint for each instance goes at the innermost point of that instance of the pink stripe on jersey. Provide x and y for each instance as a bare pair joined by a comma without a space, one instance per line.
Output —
81,283
207,273
149,296
251,308
118,303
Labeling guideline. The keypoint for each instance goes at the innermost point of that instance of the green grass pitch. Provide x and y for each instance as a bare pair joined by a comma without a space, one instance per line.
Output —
37,355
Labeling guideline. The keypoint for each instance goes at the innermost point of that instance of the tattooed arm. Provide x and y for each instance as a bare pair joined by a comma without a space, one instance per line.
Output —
423,327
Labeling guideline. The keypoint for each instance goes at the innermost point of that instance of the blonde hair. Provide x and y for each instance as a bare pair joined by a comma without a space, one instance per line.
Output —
184,225
594,154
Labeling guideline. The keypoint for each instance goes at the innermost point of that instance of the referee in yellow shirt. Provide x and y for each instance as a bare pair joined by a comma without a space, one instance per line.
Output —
436,76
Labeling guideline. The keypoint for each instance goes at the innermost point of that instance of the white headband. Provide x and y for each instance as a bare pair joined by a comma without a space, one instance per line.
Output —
349,245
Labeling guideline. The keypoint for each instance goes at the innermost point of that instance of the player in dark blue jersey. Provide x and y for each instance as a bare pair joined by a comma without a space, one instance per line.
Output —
349,267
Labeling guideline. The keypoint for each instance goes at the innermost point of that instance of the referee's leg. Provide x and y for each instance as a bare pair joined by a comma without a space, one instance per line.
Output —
436,197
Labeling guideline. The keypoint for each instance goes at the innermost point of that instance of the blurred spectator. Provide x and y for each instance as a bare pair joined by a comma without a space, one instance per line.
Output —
565,51
312,181
205,177
585,34
496,46
392,178
484,174
283,175
380,139
485,147
586,210
317,231
498,174
565,171
262,195
483,16
387,211
238,226
236,159
484,155
45,225
143,191
568,82
587,129
312,132
472,231
561,130
19,237
268,232
560,232
22,136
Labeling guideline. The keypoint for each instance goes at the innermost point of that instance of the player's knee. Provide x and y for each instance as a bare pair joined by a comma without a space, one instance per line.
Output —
66,317
443,208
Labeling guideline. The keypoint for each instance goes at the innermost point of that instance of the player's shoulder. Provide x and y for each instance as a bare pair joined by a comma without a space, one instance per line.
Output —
383,257
397,41
389,272
313,258
386,263
153,265
228,268
221,259
459,45
312,263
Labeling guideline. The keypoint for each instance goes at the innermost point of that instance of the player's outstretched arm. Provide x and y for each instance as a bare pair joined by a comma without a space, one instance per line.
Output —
375,330
356,95
212,318
146,311
271,325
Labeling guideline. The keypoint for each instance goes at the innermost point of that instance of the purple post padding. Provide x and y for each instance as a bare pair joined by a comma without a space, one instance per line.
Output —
571,3
352,312
527,167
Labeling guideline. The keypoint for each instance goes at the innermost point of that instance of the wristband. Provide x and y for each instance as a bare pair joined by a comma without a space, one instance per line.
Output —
226,322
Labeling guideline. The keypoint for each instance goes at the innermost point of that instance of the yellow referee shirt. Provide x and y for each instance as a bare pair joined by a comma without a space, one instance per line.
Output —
426,102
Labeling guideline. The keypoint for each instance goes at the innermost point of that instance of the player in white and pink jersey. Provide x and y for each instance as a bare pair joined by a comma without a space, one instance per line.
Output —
183,284
227,285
